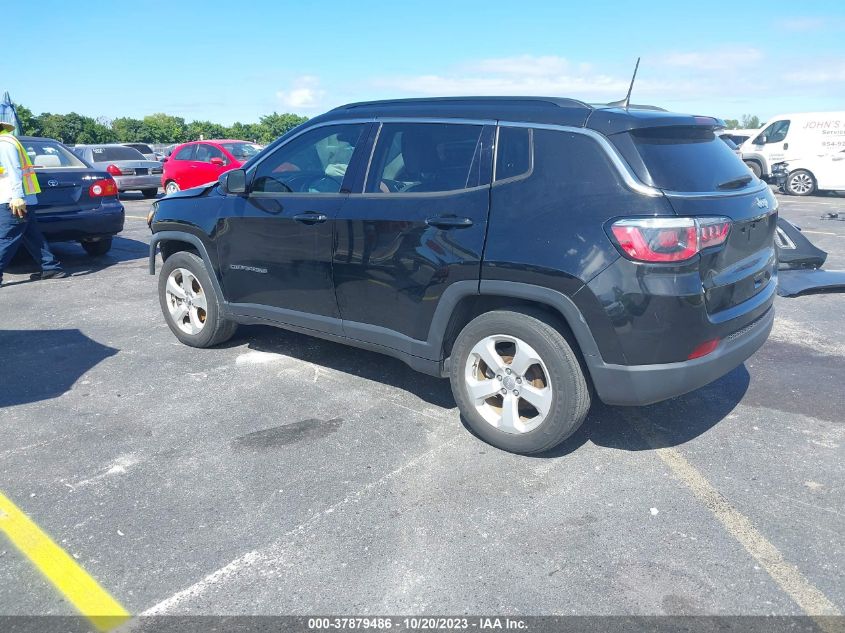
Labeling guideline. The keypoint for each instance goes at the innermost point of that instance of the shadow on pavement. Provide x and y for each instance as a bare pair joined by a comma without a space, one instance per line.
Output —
672,422
42,364
77,262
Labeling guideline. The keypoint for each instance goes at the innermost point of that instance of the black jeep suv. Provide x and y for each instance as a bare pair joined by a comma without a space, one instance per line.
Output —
534,250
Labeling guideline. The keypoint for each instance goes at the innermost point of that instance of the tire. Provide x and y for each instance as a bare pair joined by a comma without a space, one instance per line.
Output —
199,321
800,183
97,248
170,187
549,368
755,168
149,193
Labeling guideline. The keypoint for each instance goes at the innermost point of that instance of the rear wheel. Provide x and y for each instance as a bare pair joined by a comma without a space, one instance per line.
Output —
800,183
517,381
149,193
189,303
97,248
755,168
171,187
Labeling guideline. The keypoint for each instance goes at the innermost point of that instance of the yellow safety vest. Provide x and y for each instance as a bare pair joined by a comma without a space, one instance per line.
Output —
30,180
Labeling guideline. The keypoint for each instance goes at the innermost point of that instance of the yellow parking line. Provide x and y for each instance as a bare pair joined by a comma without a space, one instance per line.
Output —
82,591
811,600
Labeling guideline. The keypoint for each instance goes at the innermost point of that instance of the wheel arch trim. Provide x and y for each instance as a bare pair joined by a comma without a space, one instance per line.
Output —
193,240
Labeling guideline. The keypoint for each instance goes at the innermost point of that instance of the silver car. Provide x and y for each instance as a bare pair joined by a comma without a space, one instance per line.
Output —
130,170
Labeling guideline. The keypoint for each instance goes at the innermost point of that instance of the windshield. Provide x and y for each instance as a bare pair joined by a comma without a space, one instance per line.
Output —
115,152
242,151
49,154
689,159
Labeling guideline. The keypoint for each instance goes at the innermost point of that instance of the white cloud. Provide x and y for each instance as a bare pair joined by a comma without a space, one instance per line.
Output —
804,24
818,73
723,59
304,94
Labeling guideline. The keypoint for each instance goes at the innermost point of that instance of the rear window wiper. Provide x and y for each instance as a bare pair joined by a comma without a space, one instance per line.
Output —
736,183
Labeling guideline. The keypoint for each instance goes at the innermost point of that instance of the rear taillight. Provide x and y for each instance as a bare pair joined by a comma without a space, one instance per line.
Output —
103,187
705,348
114,170
668,239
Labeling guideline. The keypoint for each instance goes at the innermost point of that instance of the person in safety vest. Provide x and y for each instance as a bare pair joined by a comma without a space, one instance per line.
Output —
18,188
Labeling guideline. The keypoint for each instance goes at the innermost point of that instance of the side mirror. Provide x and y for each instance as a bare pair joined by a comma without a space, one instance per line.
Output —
233,181
216,160
761,140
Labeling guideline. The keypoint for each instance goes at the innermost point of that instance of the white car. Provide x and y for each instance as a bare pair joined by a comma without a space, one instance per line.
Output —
802,177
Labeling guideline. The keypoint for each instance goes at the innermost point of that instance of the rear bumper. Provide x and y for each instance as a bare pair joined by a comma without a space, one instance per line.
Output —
103,221
130,183
646,384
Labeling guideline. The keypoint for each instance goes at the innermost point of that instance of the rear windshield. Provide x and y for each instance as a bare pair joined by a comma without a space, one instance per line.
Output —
691,159
115,152
49,155
242,151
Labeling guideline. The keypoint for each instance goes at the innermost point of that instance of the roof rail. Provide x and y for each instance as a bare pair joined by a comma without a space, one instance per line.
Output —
560,102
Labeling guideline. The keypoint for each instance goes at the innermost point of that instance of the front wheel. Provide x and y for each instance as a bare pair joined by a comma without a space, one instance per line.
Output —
189,303
800,183
171,187
518,382
754,166
97,248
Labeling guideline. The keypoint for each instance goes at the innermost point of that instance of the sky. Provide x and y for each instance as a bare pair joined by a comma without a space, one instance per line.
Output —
235,61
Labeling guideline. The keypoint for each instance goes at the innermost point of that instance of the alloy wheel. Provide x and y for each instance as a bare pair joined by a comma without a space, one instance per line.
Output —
508,384
186,301
171,187
800,183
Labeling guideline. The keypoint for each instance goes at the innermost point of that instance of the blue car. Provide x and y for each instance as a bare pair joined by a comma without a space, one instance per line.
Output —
78,202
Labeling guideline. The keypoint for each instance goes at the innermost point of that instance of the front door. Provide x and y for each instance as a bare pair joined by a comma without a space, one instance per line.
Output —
275,242
418,226
209,163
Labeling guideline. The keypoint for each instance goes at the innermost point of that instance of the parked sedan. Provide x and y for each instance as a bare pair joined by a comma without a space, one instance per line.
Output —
131,171
802,177
77,202
148,152
200,162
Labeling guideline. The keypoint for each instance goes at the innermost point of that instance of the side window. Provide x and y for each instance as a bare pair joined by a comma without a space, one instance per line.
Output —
571,167
424,157
514,152
206,152
186,153
314,162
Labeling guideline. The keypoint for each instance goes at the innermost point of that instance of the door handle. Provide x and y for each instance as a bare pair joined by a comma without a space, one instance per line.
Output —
786,146
449,222
311,217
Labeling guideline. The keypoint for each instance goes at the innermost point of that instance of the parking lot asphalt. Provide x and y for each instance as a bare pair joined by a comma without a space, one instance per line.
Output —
281,474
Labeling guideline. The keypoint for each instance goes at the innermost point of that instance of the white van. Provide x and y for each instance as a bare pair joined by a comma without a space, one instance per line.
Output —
794,136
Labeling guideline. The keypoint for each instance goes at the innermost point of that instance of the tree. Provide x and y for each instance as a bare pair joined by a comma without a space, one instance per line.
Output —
732,124
244,131
28,121
74,128
749,122
163,128
205,129
129,130
272,126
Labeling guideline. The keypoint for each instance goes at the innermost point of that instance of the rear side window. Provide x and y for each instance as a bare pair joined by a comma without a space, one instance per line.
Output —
424,158
689,159
115,152
186,153
514,152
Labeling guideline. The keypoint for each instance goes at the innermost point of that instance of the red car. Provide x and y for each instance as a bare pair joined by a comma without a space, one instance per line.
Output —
200,162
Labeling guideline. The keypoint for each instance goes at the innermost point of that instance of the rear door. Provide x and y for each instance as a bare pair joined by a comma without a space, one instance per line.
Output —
417,226
181,167
702,177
